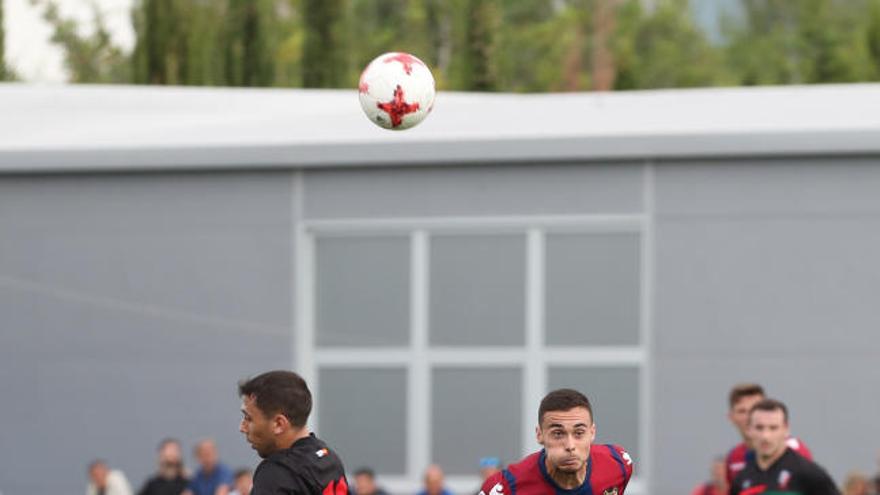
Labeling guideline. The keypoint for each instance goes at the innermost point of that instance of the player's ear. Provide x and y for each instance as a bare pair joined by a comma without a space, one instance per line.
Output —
538,436
592,432
280,423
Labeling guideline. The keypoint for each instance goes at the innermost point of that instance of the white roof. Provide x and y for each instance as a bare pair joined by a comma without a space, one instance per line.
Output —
92,127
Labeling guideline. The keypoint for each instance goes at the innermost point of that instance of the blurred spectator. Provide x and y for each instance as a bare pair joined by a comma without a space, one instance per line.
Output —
717,484
856,483
213,477
170,478
104,481
365,483
242,482
488,467
434,482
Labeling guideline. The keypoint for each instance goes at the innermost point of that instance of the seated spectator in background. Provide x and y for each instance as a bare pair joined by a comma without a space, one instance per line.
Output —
213,477
434,482
365,483
488,467
170,478
856,483
717,484
242,482
106,481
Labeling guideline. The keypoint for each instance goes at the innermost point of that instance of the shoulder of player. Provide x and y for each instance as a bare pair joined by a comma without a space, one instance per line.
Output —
738,452
272,472
610,452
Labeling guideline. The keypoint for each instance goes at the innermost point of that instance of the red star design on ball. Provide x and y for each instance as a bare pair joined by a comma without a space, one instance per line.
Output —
406,59
397,107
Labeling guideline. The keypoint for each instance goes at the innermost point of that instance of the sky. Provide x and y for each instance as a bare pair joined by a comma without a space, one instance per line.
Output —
35,59
28,49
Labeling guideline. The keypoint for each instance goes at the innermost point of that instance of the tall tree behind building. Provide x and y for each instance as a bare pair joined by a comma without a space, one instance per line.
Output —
323,57
475,68
3,72
872,37
808,41
89,58
663,48
160,51
249,42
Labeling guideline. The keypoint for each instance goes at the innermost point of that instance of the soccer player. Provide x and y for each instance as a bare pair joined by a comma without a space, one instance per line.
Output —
275,406
742,398
776,468
569,463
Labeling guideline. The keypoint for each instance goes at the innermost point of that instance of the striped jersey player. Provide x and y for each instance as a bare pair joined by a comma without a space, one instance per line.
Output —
569,463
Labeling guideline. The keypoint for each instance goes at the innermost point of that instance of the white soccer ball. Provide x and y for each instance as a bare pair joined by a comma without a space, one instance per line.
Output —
396,91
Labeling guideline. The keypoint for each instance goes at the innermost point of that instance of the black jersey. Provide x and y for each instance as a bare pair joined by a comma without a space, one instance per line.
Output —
790,474
308,467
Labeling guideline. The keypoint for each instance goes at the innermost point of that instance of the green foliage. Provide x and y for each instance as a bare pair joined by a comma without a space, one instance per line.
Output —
90,58
324,58
808,41
2,46
663,49
478,45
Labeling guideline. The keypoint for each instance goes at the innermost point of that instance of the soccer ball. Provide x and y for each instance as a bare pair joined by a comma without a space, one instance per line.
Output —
396,91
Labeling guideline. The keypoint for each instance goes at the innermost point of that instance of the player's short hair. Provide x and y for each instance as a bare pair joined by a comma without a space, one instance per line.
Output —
280,391
741,390
770,405
563,399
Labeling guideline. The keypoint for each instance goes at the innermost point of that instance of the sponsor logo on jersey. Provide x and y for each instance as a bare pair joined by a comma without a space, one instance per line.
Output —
610,491
737,466
626,459
498,489
322,452
784,478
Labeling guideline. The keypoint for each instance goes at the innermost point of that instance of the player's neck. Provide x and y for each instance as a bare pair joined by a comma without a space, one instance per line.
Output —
565,479
291,436
765,462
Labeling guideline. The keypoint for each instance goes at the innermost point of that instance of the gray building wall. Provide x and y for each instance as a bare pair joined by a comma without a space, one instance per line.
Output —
132,304
766,271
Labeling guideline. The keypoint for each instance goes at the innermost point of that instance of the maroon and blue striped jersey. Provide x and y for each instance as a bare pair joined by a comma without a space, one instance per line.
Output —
609,469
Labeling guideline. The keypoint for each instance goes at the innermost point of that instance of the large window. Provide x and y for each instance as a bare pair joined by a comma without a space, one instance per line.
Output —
434,340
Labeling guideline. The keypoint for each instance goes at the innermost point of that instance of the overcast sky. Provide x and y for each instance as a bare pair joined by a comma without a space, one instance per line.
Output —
28,49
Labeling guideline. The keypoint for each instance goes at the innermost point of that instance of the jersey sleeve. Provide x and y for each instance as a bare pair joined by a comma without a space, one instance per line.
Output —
495,485
274,479
728,462
626,462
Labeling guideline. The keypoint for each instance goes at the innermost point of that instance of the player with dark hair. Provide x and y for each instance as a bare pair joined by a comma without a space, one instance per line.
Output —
741,400
276,406
569,462
776,468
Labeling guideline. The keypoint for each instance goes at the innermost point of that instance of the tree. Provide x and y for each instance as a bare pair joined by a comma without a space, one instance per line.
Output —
323,58
249,43
872,37
808,41
92,58
478,67
663,49
2,46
